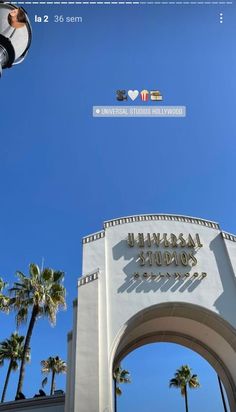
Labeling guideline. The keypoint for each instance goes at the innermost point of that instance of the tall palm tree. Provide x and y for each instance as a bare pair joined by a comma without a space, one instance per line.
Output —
120,376
12,350
41,293
183,379
54,365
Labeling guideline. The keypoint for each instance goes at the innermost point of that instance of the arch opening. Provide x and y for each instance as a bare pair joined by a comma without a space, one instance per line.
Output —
191,326
152,366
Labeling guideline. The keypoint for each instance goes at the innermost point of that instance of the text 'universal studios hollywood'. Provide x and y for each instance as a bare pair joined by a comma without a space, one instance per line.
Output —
166,250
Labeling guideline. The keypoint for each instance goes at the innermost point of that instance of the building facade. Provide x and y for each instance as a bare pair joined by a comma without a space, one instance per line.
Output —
151,278
53,403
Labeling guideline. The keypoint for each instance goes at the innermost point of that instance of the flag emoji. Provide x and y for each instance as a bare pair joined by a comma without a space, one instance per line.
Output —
144,95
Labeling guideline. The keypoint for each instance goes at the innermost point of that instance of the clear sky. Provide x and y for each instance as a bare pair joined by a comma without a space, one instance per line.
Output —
62,172
151,368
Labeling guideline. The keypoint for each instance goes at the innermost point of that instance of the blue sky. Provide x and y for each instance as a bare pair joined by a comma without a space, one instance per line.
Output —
151,368
62,172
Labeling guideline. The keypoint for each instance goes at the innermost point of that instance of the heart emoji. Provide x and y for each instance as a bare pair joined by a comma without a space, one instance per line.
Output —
133,94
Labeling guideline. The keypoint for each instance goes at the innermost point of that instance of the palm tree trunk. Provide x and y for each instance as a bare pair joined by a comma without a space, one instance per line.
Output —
186,398
115,395
52,383
222,394
34,314
6,381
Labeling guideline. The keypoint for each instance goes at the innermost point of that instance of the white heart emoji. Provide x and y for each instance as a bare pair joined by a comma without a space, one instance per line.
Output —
133,94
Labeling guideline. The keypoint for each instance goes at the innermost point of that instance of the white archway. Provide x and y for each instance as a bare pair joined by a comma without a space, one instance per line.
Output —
151,278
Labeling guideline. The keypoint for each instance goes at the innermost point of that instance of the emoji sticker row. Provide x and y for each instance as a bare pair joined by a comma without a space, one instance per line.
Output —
144,95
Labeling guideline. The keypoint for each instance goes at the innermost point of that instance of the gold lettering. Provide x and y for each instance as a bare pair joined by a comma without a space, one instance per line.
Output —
166,242
198,240
191,256
130,239
149,243
173,240
175,258
182,240
141,259
191,242
158,258
149,255
140,240
156,238
184,258
167,258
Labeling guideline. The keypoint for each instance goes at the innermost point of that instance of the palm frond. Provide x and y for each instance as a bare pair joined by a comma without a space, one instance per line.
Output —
193,382
14,365
4,300
34,270
42,289
121,376
53,364
44,382
47,274
12,349
58,276
183,378
174,383
22,316
118,391
20,275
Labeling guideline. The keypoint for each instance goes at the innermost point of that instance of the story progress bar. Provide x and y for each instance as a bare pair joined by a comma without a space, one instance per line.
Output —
126,3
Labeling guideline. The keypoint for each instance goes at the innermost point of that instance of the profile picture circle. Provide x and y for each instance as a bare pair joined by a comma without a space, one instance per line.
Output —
15,35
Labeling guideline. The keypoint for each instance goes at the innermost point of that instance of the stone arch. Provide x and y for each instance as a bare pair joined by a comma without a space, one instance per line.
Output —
125,301
186,324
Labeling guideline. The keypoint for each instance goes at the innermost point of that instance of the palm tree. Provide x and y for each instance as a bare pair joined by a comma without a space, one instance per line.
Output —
4,300
120,376
183,379
12,350
39,294
54,365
